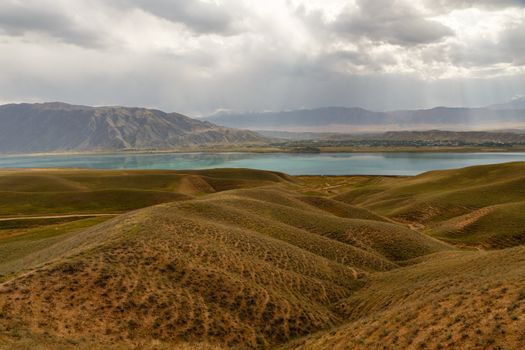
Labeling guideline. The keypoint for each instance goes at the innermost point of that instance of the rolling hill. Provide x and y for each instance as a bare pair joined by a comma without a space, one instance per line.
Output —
247,259
464,300
51,127
477,205
39,208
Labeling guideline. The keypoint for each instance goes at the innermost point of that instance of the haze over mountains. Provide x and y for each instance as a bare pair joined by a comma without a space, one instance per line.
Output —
55,126
355,119
60,127
516,103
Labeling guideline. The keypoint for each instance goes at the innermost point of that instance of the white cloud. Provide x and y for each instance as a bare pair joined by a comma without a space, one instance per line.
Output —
202,55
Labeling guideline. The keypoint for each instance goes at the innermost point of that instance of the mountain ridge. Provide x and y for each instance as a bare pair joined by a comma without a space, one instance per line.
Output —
356,119
57,126
516,103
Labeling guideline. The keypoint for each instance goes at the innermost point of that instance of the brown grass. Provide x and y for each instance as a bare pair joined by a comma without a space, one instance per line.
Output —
256,260
462,300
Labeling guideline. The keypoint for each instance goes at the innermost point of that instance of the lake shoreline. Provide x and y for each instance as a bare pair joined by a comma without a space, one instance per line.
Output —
274,150
340,163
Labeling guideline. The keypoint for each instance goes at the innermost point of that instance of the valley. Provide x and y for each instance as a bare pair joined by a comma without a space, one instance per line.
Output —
262,175
250,259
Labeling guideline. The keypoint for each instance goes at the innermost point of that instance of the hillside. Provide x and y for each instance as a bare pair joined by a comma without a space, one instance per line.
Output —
358,120
39,208
279,263
448,301
479,205
466,137
426,136
50,127
429,140
247,259
55,192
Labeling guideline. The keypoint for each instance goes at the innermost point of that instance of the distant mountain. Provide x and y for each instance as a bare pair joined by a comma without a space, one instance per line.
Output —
303,118
348,120
287,135
471,137
517,103
49,127
453,118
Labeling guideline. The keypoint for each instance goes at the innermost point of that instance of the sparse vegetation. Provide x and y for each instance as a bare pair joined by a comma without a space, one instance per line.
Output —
253,259
478,206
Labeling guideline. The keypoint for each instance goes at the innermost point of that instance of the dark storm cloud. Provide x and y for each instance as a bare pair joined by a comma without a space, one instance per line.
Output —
391,22
18,18
199,16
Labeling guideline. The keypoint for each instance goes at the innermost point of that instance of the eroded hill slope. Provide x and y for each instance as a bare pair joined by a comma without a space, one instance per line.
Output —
481,205
250,268
461,300
258,260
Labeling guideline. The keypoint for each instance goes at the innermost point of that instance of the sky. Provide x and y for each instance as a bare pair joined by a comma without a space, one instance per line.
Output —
199,57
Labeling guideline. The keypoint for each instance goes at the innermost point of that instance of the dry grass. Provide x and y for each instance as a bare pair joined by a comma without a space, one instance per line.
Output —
462,300
150,276
480,205
256,260
41,192
497,226
19,246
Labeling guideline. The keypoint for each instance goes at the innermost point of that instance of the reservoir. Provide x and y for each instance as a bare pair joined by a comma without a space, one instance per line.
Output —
290,163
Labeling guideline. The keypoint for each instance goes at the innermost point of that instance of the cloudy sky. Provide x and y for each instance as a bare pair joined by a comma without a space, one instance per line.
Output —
201,56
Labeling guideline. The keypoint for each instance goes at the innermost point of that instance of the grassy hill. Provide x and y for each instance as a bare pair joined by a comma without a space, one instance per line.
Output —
54,192
479,205
496,226
248,259
466,300
39,208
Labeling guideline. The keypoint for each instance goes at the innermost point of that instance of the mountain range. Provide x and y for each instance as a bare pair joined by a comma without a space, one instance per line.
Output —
50,127
516,103
60,127
355,120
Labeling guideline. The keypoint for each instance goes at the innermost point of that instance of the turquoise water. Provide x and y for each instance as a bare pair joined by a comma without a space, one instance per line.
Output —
293,164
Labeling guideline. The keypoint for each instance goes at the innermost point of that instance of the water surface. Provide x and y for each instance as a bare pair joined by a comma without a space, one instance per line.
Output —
293,164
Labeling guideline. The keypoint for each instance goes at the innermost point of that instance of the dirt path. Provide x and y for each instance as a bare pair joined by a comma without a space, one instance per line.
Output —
55,216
